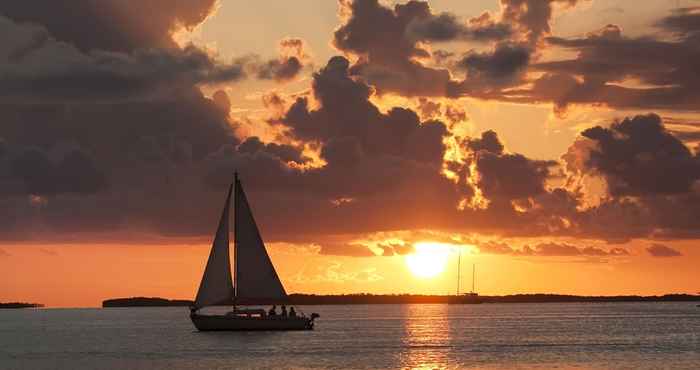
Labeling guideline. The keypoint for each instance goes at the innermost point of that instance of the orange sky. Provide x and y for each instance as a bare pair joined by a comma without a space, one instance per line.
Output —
84,275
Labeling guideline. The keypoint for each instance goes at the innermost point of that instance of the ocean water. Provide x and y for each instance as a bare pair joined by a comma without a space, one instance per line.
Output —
487,336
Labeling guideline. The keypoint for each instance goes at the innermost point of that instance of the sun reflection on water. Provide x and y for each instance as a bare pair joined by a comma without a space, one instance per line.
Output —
426,337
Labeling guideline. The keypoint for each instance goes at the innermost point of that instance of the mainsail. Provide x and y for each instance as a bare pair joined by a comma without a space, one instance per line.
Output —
216,286
256,280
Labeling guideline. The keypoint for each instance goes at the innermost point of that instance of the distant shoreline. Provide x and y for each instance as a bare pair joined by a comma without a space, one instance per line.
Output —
347,299
20,305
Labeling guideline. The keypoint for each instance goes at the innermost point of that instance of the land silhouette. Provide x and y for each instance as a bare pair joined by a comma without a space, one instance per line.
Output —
333,299
20,305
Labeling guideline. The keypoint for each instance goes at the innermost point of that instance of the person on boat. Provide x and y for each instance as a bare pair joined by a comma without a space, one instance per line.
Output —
284,311
292,312
273,311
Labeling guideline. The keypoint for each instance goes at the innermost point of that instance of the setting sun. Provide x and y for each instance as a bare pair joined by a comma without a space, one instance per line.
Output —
428,260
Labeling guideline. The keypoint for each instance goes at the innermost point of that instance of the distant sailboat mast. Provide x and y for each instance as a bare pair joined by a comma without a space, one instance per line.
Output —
459,273
473,277
459,269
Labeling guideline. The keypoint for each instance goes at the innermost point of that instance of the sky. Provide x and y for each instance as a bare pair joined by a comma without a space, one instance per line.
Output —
553,144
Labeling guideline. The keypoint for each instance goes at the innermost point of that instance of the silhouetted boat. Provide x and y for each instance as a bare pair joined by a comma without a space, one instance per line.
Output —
255,281
465,298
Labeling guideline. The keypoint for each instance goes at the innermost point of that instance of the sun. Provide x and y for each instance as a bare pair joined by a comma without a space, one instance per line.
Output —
428,260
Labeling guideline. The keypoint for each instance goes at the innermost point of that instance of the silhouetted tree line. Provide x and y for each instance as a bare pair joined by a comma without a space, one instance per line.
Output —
20,305
314,299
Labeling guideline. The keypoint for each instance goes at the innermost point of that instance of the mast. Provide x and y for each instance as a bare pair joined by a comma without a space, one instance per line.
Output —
459,269
473,277
235,237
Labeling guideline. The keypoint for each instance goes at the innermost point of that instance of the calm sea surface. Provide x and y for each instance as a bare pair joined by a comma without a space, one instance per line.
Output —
488,336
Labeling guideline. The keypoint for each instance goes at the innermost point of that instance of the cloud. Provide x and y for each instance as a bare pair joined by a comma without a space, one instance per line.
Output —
389,45
99,117
31,172
638,156
551,250
682,21
448,27
353,127
393,249
49,252
348,250
531,17
501,65
36,67
611,69
651,179
288,65
392,46
4,253
489,170
284,152
660,250
133,147
112,25
334,272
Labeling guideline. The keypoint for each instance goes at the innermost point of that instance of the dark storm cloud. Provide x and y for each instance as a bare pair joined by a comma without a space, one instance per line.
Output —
112,25
488,142
288,65
285,153
102,123
497,169
606,58
34,66
3,148
280,70
387,43
660,250
651,176
638,156
378,165
161,165
532,17
353,127
31,171
392,44
498,67
448,27
682,21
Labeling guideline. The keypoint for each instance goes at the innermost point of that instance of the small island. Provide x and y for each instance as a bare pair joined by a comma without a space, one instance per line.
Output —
314,299
20,305
145,302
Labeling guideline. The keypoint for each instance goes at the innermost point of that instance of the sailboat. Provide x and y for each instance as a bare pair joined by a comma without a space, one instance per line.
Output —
254,281
466,298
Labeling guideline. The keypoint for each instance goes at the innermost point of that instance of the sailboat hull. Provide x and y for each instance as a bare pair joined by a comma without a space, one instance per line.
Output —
237,323
465,299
